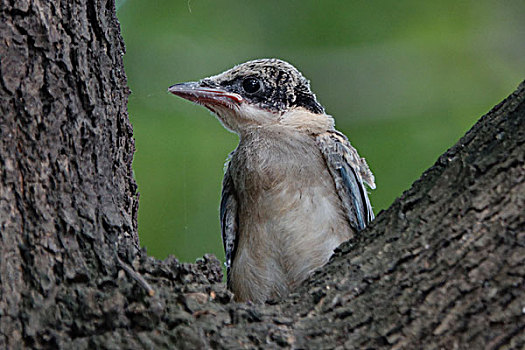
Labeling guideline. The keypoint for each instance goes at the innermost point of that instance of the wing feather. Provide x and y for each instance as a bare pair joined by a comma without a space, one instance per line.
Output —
229,221
350,173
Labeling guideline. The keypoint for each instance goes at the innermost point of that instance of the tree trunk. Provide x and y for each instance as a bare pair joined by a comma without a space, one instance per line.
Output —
443,267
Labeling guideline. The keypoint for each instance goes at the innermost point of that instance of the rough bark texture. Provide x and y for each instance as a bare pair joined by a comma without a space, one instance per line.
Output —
444,267
67,195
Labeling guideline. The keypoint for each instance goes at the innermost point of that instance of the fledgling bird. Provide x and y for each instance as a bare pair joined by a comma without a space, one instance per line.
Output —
293,189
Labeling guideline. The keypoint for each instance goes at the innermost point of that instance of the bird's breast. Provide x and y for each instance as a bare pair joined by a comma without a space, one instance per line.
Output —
263,161
290,216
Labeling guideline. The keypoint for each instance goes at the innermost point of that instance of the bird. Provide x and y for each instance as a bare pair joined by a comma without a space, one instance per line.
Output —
293,189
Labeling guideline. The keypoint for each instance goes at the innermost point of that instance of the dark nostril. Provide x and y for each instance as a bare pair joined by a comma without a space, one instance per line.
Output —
207,83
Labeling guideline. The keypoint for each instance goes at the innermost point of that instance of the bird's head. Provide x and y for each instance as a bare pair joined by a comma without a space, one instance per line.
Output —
255,93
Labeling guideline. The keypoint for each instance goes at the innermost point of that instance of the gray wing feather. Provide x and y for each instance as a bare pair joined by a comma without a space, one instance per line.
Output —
350,173
229,221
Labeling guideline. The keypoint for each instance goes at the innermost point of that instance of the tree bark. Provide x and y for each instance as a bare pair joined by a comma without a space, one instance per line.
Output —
443,267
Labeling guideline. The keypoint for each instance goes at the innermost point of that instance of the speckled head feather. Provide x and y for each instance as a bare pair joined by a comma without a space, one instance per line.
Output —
268,83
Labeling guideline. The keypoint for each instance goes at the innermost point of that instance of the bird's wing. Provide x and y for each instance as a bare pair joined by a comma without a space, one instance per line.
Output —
229,221
350,172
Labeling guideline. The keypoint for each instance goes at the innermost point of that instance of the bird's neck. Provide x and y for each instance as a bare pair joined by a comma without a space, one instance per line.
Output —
305,121
296,120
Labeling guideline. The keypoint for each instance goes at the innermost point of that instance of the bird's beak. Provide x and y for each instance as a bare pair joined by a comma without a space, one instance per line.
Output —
193,91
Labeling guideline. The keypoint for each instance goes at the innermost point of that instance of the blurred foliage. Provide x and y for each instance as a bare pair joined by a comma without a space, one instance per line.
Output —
403,79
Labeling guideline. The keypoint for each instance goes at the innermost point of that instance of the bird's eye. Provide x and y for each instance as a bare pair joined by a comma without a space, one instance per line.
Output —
251,85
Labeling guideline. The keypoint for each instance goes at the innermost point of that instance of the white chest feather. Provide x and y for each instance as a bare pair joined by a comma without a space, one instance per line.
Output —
290,215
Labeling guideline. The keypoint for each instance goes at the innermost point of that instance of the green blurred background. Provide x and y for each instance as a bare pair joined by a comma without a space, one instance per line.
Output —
403,79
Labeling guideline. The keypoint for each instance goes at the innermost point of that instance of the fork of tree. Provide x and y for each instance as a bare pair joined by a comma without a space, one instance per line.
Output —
443,267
